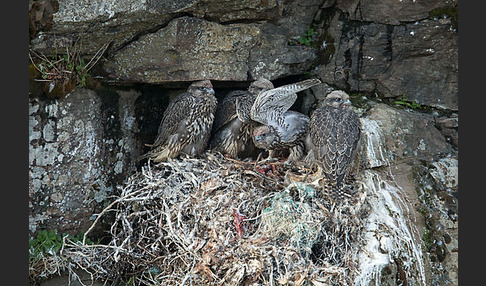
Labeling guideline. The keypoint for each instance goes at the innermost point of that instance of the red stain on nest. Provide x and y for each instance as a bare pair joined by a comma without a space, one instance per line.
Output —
239,221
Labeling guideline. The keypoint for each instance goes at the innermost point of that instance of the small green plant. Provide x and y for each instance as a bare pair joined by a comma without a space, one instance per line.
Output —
46,242
404,102
307,38
45,258
428,239
446,12
61,68
65,71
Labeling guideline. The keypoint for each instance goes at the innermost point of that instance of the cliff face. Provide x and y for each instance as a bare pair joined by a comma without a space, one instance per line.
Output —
397,58
391,48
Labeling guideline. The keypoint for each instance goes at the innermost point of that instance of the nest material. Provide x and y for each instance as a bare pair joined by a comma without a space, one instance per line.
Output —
216,221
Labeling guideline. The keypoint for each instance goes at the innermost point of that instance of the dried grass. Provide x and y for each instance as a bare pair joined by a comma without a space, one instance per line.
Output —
215,221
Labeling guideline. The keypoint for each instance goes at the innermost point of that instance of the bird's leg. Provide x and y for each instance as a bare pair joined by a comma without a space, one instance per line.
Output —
317,177
270,158
300,172
271,155
291,177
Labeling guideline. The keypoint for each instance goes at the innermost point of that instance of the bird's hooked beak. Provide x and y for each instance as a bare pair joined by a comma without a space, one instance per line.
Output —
347,103
210,90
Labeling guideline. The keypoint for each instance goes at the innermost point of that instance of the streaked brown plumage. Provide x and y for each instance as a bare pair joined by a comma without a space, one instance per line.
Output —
282,128
186,125
332,142
232,128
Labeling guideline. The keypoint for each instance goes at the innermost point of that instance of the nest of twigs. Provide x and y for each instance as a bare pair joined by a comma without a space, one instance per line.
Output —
216,221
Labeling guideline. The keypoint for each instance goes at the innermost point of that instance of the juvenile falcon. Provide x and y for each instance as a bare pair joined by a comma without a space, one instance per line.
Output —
282,128
334,133
186,123
232,128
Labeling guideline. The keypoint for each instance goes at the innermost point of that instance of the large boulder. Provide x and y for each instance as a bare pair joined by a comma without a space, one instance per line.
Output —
415,55
93,23
80,148
437,186
413,170
181,40
194,49
391,135
424,63
393,49
391,11
65,178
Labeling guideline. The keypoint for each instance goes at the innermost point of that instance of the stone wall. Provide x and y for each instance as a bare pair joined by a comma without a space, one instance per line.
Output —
390,48
80,148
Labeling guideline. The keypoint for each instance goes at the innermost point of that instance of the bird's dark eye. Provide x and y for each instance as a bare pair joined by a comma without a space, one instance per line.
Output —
339,99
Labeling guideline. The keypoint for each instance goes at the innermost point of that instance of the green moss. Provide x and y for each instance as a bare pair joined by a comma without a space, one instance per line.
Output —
404,102
428,239
48,242
306,39
360,100
447,12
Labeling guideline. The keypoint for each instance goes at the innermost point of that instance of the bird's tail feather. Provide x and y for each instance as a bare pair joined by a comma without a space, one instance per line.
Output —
158,154
335,192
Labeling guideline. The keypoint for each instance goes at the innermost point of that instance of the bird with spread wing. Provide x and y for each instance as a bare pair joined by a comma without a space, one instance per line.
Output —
281,128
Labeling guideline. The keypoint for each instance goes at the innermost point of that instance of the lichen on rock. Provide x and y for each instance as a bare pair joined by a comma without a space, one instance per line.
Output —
70,179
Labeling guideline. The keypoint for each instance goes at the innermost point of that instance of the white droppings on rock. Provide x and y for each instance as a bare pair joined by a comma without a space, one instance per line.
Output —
372,142
390,233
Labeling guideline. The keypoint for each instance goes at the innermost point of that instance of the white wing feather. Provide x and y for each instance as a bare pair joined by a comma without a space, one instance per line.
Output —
270,105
